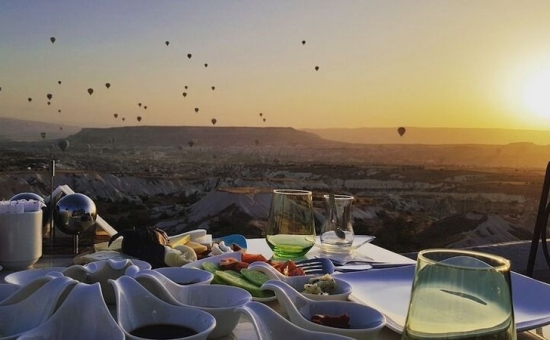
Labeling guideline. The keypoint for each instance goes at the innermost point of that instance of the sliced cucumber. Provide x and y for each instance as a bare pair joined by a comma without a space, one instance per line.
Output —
240,282
255,276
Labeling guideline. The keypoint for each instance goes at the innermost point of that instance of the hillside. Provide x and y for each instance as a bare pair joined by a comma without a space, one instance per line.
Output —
18,130
204,136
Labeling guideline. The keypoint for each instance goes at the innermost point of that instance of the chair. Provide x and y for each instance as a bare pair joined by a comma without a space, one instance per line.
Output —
540,226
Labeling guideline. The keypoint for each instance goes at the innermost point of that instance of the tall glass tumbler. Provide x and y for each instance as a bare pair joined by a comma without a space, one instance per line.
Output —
291,224
460,294
337,229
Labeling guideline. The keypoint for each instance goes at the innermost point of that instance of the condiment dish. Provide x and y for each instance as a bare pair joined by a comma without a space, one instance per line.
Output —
137,307
364,322
341,291
217,300
270,325
185,276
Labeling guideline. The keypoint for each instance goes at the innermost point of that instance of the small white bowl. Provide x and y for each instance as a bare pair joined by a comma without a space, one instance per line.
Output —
186,276
218,300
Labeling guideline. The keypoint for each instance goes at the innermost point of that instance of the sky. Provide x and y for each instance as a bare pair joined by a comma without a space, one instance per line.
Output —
381,63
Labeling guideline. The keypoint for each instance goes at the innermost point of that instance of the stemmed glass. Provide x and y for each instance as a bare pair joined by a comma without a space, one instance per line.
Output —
291,223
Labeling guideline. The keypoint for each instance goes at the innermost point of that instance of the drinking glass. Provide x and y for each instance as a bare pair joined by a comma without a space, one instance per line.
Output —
291,224
460,294
337,230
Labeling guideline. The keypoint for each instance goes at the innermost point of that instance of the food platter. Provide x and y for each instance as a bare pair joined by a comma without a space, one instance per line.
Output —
216,260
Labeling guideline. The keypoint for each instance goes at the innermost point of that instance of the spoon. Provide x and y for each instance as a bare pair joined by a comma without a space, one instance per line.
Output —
339,232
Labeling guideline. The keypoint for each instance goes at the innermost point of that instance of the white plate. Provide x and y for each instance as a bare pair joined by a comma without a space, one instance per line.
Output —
216,260
388,290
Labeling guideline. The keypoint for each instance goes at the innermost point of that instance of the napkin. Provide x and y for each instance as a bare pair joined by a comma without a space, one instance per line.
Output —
20,206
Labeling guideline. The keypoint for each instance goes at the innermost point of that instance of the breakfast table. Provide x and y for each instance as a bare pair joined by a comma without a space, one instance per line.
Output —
245,329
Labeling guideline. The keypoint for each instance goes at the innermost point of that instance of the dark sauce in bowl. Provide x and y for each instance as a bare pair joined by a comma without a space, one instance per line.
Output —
163,331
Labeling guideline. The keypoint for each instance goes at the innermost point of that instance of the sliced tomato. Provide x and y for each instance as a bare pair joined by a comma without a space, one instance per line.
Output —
241,265
250,258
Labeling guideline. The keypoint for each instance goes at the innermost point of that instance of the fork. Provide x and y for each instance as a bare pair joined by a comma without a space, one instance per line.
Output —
318,265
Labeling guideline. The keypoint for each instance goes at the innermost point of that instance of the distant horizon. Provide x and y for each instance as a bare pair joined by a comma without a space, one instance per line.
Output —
25,130
282,126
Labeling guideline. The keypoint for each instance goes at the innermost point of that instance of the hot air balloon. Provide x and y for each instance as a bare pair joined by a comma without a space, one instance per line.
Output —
43,135
303,42
186,87
0,88
59,82
184,94
63,144
214,120
90,91
213,88
205,65
167,43
116,115
49,103
139,118
316,68
59,111
401,130
145,107
123,119
189,55
52,39
49,96
196,109
261,114
139,104
264,120
107,85
29,99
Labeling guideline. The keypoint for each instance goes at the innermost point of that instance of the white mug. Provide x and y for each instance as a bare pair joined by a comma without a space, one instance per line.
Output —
20,239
